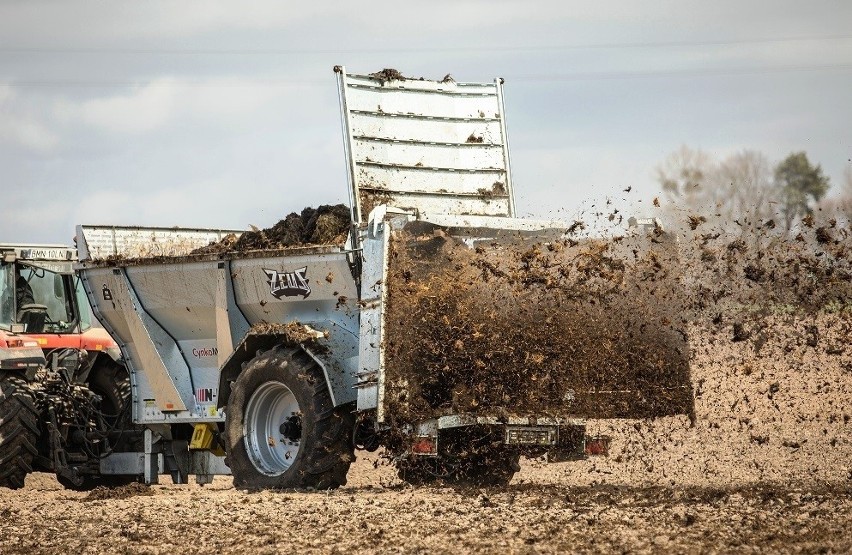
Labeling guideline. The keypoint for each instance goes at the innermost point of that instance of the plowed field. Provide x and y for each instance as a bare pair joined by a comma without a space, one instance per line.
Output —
765,467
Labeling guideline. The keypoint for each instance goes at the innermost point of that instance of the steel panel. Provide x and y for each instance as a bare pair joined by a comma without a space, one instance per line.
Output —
194,310
433,146
426,204
181,297
445,156
331,305
372,298
483,185
450,131
145,345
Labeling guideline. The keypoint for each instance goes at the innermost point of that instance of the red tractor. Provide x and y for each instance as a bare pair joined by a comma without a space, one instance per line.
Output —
64,391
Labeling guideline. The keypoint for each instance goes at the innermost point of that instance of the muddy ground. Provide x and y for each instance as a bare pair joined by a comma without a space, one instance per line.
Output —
766,467
529,517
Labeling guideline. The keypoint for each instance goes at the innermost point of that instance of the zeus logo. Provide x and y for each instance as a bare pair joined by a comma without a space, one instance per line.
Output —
288,284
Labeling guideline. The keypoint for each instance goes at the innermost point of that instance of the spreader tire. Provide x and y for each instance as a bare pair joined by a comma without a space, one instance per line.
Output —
282,430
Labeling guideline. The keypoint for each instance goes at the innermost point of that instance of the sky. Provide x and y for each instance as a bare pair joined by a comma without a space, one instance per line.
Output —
225,115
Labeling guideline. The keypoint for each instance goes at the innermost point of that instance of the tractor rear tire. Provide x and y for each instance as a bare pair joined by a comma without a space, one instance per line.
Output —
19,430
281,428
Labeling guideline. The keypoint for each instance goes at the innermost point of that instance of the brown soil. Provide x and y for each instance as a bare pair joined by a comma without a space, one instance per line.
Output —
122,492
557,508
369,199
765,468
388,74
292,332
524,324
324,225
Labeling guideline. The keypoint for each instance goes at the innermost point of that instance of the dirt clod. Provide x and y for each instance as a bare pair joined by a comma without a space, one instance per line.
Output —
388,74
122,492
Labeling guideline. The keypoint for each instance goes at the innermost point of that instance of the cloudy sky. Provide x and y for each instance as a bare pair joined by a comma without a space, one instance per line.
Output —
224,114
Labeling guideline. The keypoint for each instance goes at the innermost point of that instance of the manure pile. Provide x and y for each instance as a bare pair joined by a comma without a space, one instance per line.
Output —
324,225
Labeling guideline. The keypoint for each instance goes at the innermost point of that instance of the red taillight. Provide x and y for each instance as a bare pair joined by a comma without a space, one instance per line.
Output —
425,446
596,446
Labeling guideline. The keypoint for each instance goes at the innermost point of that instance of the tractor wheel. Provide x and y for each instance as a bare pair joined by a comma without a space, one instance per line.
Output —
18,430
112,383
491,469
282,430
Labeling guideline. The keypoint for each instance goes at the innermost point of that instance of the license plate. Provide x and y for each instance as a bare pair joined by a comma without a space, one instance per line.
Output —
530,435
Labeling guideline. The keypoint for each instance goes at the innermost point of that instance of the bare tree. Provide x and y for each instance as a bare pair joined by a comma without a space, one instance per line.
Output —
733,194
747,193
684,173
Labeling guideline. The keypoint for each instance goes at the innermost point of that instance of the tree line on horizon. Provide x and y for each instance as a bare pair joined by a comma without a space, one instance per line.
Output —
744,191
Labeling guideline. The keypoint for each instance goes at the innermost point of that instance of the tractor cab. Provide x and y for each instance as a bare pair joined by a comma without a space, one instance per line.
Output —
43,307
39,293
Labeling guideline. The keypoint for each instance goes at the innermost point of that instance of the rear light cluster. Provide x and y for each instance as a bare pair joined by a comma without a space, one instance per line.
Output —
425,446
596,446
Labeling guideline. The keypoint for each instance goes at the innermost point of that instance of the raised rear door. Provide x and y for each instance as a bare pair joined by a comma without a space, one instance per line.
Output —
434,147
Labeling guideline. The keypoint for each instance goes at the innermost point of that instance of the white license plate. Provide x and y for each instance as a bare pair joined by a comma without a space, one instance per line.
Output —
530,435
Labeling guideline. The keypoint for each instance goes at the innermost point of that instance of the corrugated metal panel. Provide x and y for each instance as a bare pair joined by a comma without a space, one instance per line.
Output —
100,242
435,146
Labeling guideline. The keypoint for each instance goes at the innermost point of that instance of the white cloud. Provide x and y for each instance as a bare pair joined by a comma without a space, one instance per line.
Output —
6,94
46,21
27,133
143,110
213,134
163,101
19,127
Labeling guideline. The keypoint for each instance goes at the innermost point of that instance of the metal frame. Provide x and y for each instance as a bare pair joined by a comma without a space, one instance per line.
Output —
354,202
400,153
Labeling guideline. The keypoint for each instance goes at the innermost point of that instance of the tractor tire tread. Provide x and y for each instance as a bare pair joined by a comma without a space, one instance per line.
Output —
19,431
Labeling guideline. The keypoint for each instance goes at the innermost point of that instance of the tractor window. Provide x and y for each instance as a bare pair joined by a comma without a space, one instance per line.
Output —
83,305
50,290
7,295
